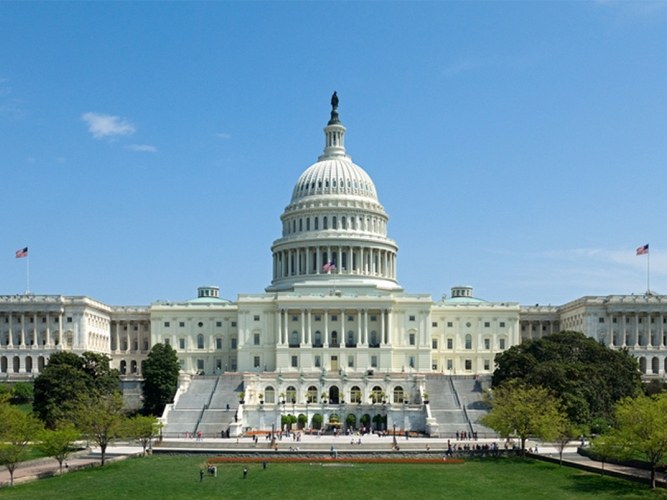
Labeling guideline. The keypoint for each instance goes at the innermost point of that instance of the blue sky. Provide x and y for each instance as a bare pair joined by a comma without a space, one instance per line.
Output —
149,148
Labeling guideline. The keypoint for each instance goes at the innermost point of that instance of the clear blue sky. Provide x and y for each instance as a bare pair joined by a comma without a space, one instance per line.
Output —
149,148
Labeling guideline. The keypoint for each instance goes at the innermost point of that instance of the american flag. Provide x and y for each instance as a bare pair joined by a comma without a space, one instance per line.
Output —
23,252
642,250
329,266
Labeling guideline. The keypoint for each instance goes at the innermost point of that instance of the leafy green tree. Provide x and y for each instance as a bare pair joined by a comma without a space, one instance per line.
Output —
523,411
59,442
587,376
160,372
100,418
17,430
640,430
68,379
566,431
142,428
22,392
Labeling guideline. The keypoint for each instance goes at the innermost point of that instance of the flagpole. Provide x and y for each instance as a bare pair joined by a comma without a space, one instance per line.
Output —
27,275
648,273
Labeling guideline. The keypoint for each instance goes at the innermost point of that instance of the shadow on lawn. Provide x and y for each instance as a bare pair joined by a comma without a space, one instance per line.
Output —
596,484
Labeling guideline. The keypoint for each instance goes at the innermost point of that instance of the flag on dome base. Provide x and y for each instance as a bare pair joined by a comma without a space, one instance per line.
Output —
642,250
328,267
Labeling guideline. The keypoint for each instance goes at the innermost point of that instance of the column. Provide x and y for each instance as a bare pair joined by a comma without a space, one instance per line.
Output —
22,339
382,333
343,335
60,329
11,336
304,341
34,330
389,327
326,327
310,327
48,330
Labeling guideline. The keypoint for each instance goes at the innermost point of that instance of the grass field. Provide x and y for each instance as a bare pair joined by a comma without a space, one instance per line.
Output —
167,477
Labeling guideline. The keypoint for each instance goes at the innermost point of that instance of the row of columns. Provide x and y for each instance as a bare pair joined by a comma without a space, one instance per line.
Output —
306,334
21,364
31,336
348,260
127,336
528,334
630,337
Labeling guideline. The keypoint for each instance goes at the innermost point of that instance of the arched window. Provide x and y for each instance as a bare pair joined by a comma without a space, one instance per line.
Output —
200,341
312,394
355,395
377,394
290,394
399,395
123,367
133,367
325,222
270,395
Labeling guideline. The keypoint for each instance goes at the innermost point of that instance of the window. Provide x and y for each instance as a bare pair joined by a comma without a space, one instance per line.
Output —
166,324
434,324
318,362
450,343
200,365
374,361
501,343
487,365
200,341
468,341
434,366
181,344
487,324
399,395
350,318
167,342
350,361
412,339
318,317
255,339
600,319
450,324
233,342
295,317
256,361
295,361
374,317
233,324
218,343
487,344
449,364
411,318
255,317
200,324
434,343
69,320
181,324
468,364
218,324
334,317
411,361
502,324
355,395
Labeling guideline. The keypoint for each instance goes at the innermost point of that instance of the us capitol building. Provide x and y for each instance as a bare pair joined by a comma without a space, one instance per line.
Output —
334,327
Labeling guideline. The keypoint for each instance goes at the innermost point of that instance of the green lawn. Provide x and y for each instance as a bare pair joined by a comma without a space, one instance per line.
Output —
165,477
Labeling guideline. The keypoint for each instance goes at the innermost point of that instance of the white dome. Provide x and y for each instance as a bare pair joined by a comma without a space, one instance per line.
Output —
334,176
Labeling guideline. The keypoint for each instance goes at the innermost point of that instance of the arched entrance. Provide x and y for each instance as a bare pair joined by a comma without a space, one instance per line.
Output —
334,395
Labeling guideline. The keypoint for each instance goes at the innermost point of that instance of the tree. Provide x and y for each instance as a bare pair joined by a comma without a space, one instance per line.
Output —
566,431
523,411
18,429
142,428
588,377
101,419
68,379
160,372
641,429
59,442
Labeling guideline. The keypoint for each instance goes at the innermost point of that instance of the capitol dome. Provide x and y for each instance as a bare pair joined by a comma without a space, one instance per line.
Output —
334,227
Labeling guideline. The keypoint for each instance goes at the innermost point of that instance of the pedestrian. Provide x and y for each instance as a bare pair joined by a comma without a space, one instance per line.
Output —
245,472
201,475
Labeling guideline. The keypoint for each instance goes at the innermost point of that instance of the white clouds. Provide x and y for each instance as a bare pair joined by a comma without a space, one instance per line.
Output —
102,126
142,148
223,135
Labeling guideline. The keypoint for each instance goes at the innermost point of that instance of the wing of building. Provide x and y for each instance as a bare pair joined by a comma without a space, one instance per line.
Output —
334,326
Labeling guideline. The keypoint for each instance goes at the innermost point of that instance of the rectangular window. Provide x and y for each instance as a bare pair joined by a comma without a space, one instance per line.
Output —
317,317
69,320
434,324
350,361
450,343
233,343
181,324
167,341
256,339
166,324
501,343
468,365
374,361
411,318
374,317
334,317
411,361
600,319
295,362
434,343
412,339
233,324
487,324
350,318
434,366
218,324
318,362
502,324
218,343
487,365
181,344
450,324
255,317
200,365
487,344
449,364
295,317
255,361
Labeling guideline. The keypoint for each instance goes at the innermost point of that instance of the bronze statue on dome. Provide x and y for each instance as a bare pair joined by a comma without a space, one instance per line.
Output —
334,101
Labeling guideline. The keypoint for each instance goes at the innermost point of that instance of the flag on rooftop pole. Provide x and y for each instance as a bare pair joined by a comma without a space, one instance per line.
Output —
643,250
22,252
